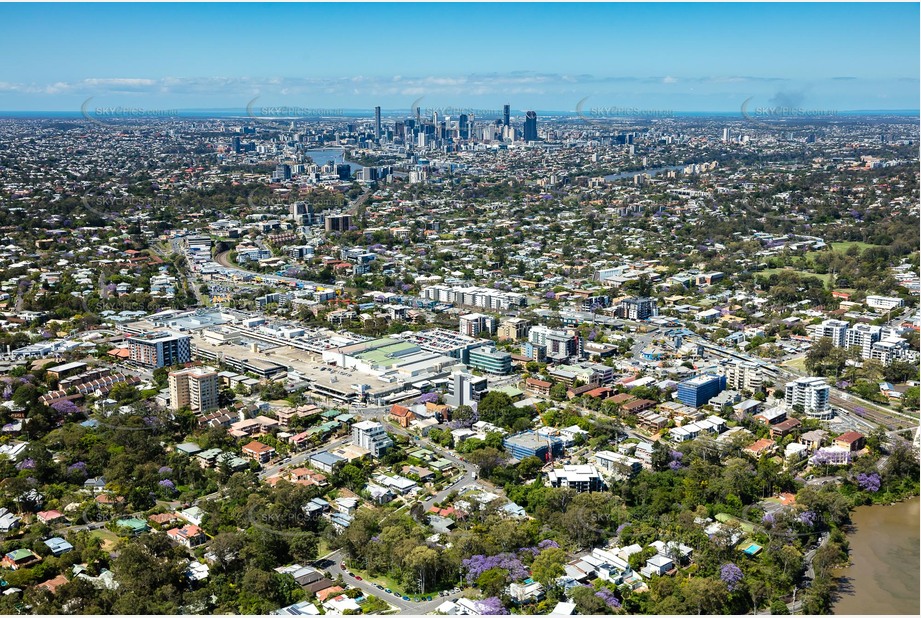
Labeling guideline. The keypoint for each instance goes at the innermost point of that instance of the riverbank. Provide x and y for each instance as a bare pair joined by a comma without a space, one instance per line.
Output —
885,561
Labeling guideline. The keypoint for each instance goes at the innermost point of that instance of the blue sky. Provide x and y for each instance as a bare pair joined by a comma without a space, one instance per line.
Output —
675,57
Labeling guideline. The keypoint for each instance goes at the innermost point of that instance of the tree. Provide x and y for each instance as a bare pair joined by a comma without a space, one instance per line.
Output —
492,581
303,547
548,566
558,391
423,564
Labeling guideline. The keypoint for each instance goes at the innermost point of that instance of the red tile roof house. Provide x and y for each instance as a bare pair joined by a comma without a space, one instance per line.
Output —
258,451
760,447
402,415
163,518
852,440
50,517
53,584
189,536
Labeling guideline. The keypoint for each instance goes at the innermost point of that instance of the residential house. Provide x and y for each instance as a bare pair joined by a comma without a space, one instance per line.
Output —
58,546
188,536
760,447
20,559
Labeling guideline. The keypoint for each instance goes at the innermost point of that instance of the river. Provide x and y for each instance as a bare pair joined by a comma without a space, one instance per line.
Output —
885,569
321,157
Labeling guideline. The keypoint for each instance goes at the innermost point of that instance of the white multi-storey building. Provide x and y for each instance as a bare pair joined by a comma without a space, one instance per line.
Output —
742,375
884,303
810,393
862,336
371,436
484,298
834,330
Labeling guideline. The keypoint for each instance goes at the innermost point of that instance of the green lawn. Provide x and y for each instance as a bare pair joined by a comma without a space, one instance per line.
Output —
746,526
109,538
771,271
797,364
844,246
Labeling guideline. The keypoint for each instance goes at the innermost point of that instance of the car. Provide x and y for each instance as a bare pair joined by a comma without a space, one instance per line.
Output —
379,587
396,594
387,590
428,598
358,577
341,565
405,598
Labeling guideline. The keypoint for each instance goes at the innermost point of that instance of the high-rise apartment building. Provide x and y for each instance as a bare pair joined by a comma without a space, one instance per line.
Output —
195,388
338,223
810,393
742,375
160,349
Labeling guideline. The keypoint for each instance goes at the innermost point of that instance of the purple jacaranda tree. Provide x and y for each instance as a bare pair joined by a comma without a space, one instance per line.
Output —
869,482
491,606
731,574
478,564
608,597
78,468
65,406
26,464
164,470
428,398
167,485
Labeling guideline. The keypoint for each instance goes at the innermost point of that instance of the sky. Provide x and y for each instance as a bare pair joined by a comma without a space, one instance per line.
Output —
656,57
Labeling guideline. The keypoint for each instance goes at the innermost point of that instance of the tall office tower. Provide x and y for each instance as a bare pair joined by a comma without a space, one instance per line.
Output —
726,135
463,127
377,122
235,143
282,172
435,118
530,126
398,130
506,114
418,115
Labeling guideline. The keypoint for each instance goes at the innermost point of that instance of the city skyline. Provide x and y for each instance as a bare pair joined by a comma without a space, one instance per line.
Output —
839,57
